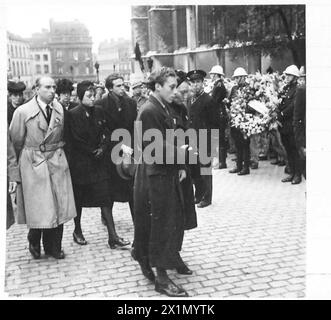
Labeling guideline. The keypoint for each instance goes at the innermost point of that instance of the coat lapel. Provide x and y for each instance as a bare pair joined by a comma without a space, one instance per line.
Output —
56,119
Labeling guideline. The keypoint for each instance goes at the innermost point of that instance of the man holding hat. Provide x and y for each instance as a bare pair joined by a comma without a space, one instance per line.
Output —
285,117
15,97
45,199
219,93
203,114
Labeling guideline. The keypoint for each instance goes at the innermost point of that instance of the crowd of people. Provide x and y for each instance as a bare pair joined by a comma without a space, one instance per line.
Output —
61,159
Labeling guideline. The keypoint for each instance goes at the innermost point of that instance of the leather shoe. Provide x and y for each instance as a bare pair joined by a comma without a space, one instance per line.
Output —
197,200
222,166
296,180
56,254
203,204
118,243
234,170
275,162
170,289
288,179
263,158
244,171
79,239
184,270
35,251
281,163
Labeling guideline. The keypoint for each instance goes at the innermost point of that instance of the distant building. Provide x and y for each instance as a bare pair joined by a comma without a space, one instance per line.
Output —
19,63
70,48
41,54
114,56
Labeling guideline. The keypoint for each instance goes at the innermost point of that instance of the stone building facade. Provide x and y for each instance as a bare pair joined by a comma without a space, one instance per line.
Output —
190,37
19,63
70,48
114,56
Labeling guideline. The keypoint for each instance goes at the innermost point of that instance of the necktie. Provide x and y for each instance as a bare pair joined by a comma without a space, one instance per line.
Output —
48,113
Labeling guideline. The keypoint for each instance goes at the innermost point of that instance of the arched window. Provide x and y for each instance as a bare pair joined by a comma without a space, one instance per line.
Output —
22,70
18,69
25,68
14,69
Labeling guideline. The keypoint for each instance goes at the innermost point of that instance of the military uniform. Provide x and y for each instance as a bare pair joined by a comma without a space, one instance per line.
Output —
285,117
203,114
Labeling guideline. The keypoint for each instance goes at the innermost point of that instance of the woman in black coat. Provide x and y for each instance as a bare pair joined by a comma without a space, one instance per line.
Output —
90,140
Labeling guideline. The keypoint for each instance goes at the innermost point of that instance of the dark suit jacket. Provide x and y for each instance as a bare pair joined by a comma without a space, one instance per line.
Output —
204,114
218,94
285,109
299,117
88,132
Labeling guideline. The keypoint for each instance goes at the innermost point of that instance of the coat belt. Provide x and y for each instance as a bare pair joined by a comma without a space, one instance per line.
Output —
43,147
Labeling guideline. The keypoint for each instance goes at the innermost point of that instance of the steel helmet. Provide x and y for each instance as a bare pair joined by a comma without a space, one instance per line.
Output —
292,70
217,70
302,71
239,72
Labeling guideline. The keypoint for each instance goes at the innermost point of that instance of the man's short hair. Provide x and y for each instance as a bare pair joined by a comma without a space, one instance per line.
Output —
64,86
160,77
109,80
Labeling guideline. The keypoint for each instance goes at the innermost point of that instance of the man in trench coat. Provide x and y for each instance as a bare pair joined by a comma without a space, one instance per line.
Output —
45,198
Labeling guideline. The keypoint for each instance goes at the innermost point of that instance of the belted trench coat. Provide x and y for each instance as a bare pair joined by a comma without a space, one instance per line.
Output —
44,196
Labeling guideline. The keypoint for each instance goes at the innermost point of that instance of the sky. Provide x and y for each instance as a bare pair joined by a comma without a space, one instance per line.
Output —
104,21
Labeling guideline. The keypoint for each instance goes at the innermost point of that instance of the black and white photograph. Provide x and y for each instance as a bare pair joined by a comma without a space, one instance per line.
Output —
158,151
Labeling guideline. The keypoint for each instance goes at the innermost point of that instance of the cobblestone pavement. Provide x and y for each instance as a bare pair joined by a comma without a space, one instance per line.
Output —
250,243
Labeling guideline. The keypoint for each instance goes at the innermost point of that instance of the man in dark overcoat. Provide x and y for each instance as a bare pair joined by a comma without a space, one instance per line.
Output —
219,93
203,114
120,112
158,201
285,117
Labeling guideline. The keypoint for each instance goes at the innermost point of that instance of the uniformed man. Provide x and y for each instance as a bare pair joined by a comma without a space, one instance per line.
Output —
203,114
242,144
285,117
219,93
15,97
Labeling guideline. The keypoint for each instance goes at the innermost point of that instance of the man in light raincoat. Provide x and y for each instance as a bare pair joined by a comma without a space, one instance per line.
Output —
45,198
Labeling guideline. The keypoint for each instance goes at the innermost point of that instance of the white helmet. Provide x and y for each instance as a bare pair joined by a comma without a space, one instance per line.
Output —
239,72
302,71
292,70
217,70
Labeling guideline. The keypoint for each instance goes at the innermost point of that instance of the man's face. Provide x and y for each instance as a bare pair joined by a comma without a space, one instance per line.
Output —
289,78
118,87
196,85
168,90
65,97
89,97
46,90
182,92
302,80
216,76
16,99
240,80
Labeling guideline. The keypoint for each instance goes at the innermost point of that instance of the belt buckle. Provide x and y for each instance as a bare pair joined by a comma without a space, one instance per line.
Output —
42,147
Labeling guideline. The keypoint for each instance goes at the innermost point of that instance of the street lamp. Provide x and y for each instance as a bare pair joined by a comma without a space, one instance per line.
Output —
72,73
96,66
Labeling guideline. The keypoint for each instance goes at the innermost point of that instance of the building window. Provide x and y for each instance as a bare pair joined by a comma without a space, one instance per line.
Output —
25,68
22,70
37,57
20,51
87,57
38,69
58,54
18,68
45,57
14,69
75,55
12,50
16,52
46,70
60,70
87,70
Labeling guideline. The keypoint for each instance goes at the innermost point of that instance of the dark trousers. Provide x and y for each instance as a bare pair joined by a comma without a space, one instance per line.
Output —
293,157
222,146
242,148
51,238
203,183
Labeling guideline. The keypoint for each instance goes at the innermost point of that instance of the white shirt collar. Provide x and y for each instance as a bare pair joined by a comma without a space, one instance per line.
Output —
43,104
